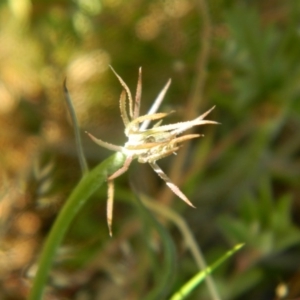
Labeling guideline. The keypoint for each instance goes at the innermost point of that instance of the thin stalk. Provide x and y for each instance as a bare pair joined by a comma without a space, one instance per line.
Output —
168,265
190,241
196,95
82,161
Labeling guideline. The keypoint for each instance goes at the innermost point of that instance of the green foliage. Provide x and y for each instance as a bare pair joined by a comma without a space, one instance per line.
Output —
264,224
243,176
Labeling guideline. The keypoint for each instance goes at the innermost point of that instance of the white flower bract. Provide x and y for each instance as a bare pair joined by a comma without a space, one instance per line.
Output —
147,145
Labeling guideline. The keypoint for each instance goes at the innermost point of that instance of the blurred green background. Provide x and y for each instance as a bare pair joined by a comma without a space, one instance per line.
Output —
243,176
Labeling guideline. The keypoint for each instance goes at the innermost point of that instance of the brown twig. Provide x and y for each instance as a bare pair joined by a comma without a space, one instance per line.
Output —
195,97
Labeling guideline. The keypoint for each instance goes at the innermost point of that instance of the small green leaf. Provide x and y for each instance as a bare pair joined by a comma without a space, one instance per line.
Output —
199,277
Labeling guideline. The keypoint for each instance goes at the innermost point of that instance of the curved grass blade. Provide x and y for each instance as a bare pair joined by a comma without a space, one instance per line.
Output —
188,238
188,287
81,193
164,284
82,161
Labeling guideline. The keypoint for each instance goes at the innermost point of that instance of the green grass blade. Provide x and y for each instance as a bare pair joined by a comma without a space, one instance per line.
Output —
199,277
82,161
164,284
84,189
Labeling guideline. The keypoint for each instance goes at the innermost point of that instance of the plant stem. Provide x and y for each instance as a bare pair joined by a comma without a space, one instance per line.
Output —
195,98
85,188
82,161
190,241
